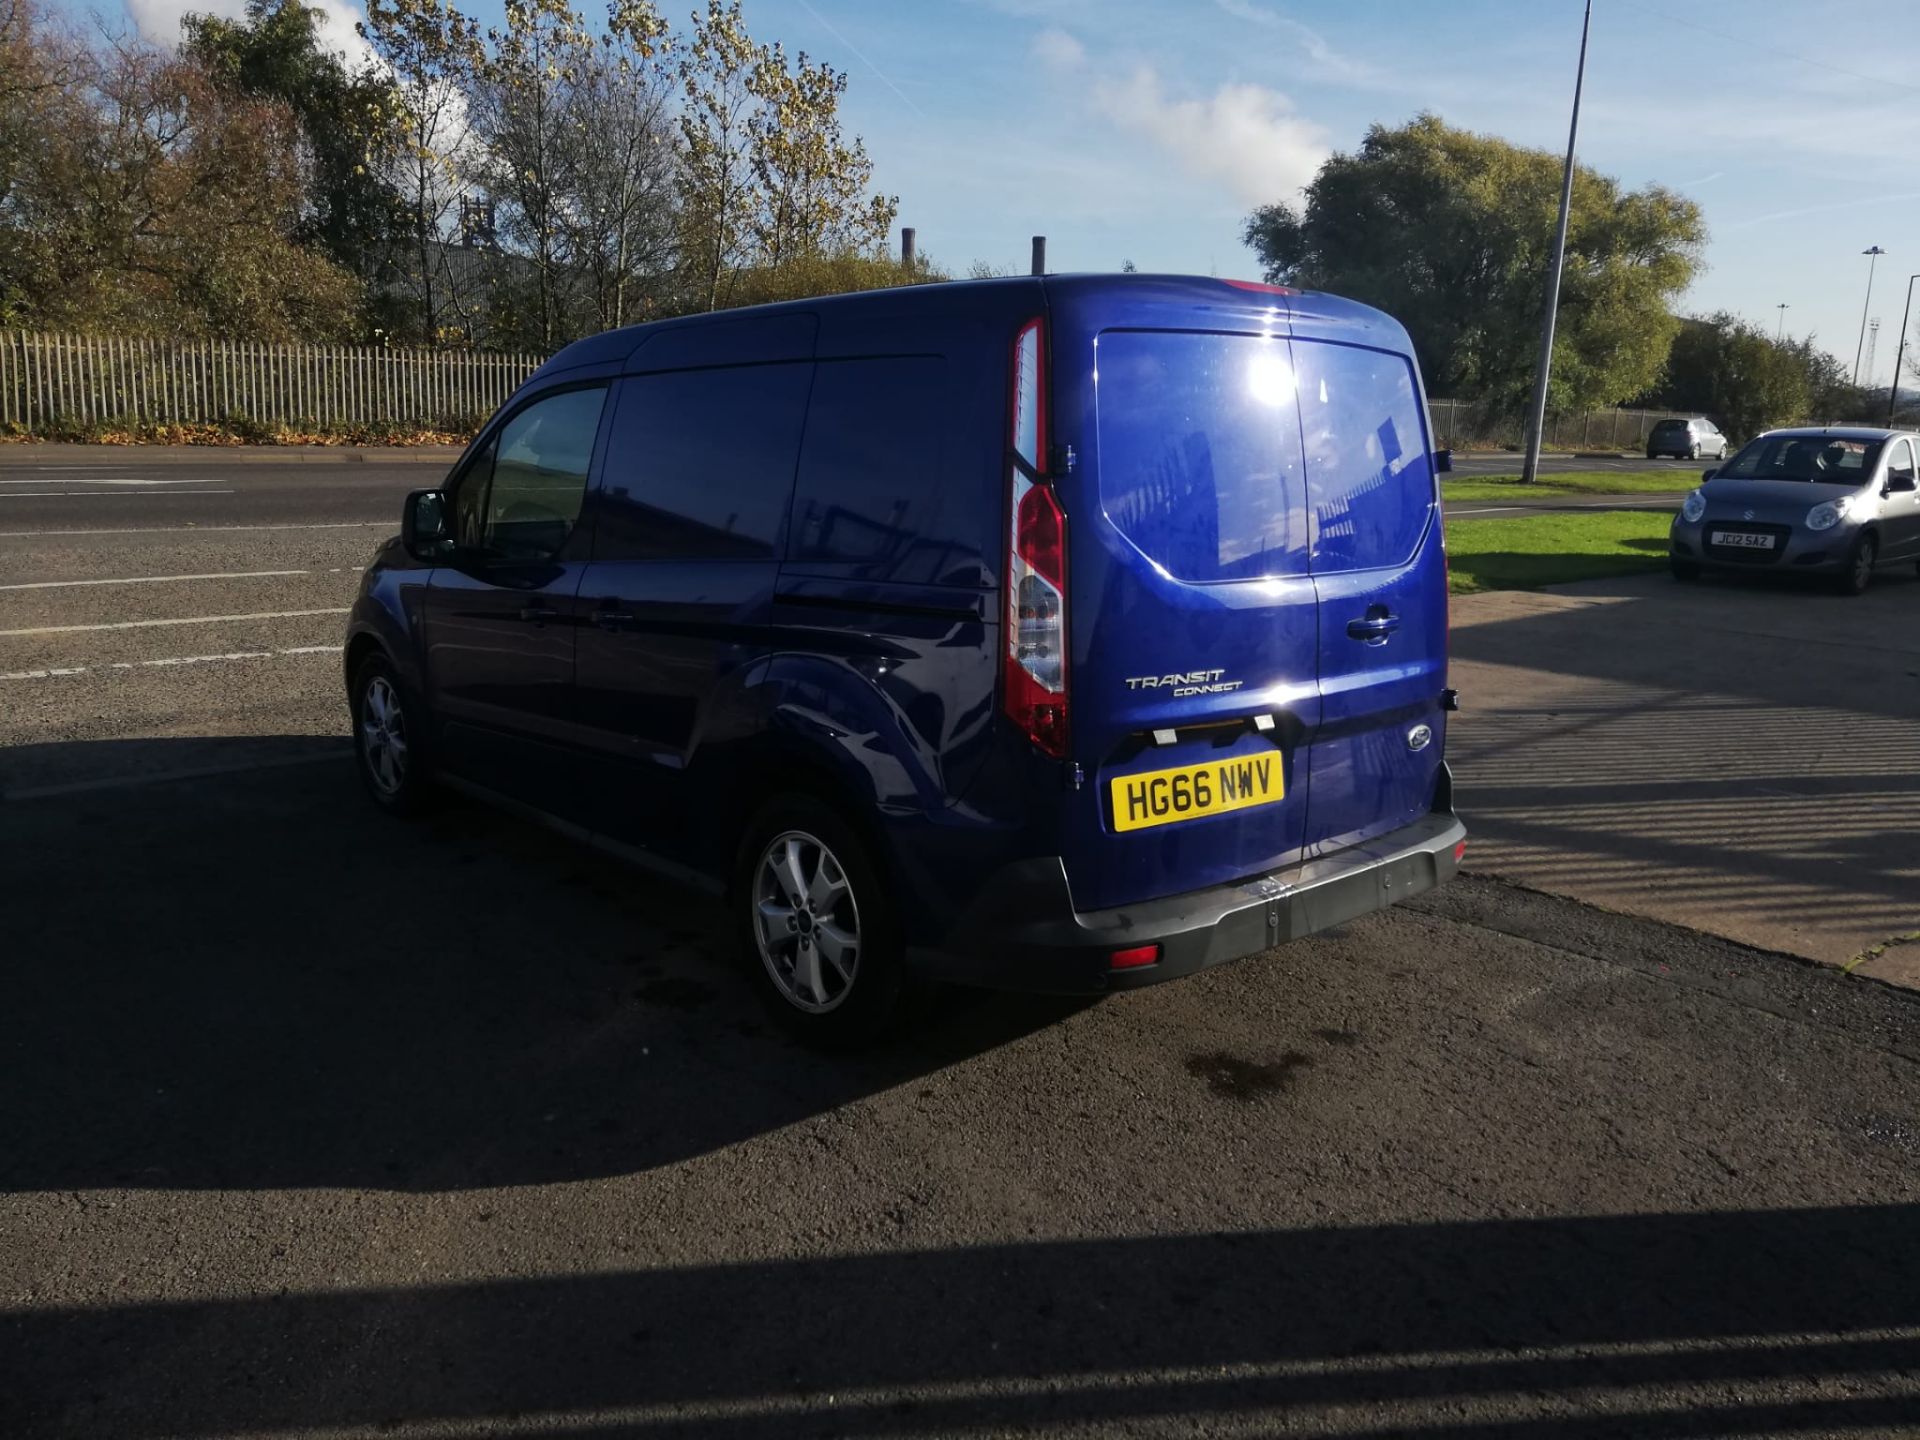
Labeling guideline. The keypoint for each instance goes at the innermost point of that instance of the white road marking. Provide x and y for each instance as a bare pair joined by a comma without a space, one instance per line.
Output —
112,480
200,529
75,494
185,620
153,579
168,662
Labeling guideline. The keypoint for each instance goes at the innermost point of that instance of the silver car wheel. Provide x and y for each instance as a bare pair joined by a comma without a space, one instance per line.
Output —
1863,558
383,736
806,922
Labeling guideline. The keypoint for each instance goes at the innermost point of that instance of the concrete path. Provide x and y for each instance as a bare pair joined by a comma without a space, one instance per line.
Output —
1731,756
1507,509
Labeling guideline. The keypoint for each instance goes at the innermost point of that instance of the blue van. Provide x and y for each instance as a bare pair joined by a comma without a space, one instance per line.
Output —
1064,633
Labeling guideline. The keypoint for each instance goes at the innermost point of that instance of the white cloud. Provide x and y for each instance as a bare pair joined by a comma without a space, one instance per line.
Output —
159,21
1247,136
1058,50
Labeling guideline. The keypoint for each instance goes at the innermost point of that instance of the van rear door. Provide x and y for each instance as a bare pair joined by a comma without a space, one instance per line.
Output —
1193,617
1379,571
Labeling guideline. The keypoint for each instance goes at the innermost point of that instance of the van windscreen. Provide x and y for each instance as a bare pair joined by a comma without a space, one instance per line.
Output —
1200,461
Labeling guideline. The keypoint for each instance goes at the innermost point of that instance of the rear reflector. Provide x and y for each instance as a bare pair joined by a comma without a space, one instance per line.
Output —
1459,849
1132,959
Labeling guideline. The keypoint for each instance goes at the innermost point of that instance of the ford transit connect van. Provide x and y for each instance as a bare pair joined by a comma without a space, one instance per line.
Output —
1067,634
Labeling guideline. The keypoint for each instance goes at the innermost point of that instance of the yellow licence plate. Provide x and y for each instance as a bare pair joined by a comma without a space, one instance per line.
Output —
1187,792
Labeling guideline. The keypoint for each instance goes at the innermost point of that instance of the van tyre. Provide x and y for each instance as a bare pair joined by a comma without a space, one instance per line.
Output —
816,926
389,732
1858,574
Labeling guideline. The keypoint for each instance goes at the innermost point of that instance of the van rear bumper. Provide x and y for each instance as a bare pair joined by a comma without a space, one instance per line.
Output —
1022,932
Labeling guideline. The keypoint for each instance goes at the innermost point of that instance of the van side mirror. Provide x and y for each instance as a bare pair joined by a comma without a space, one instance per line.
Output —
1706,475
423,525
1443,461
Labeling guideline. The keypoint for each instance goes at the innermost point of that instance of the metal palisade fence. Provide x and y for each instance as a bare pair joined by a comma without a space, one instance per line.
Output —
1462,423
51,381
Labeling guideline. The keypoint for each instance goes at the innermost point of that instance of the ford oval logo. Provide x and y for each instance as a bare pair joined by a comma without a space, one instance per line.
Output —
1419,737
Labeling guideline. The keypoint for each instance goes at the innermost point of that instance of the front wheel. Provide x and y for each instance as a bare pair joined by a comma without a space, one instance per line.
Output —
387,738
1859,572
817,925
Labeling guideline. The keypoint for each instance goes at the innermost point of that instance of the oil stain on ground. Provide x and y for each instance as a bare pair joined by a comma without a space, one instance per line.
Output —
675,992
1239,1079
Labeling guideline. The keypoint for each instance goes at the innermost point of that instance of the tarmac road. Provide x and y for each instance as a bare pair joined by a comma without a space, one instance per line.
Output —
314,1123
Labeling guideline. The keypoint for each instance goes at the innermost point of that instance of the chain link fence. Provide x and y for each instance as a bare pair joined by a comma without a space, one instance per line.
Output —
1462,425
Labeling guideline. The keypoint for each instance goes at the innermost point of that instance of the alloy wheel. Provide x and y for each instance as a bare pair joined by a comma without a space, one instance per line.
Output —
383,736
806,922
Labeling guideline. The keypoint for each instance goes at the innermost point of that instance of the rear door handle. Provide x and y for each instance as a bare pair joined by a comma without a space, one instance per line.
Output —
538,614
1376,627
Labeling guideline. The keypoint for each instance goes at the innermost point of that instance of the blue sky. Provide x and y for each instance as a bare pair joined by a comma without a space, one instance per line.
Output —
1146,129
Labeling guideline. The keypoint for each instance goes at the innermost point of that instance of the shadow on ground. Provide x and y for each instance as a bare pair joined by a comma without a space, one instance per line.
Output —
1736,755
1754,1323
252,979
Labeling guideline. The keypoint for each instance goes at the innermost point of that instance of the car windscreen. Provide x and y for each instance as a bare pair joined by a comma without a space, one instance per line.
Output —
1823,459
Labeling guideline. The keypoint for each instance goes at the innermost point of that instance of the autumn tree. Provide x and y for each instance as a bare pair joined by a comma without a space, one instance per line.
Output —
718,195
812,181
1451,232
621,224
433,53
155,201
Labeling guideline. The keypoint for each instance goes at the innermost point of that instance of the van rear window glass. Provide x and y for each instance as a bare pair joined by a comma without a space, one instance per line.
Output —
1369,479
1200,461
870,491
700,464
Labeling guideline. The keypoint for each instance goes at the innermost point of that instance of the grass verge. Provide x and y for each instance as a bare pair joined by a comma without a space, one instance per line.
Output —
1537,550
1571,482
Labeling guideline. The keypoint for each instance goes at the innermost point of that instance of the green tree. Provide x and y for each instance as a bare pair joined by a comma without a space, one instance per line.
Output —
347,118
1451,232
1733,371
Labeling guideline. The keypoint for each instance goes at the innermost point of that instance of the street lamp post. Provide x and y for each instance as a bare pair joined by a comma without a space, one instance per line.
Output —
1893,390
1780,333
1874,253
1530,468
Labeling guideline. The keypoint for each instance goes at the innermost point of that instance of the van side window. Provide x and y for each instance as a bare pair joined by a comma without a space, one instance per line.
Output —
870,471
700,464
1369,480
541,459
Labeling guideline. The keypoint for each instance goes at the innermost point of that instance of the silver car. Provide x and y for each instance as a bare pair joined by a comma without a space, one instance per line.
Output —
1695,439
1838,501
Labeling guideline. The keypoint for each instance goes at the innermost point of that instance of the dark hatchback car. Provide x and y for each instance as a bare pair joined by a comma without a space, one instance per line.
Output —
1066,634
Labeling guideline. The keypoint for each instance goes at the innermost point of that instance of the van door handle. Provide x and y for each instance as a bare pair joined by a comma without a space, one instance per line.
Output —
1379,623
612,619
538,614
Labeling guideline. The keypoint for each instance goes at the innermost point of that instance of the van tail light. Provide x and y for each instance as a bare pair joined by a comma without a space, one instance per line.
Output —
1035,689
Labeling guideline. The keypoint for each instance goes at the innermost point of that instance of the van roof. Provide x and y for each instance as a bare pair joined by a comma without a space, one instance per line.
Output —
1318,310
